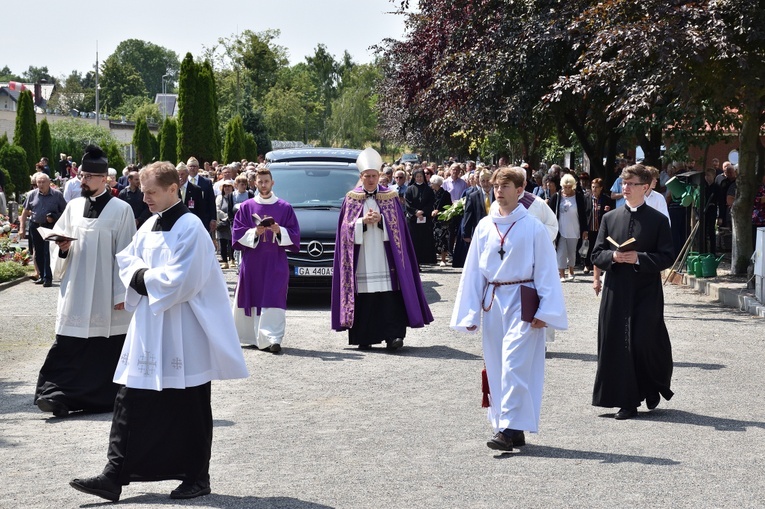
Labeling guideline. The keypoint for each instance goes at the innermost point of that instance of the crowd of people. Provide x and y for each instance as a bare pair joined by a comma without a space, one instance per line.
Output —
144,342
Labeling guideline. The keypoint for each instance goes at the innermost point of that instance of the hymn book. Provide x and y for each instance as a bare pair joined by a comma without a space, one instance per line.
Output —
266,221
48,234
624,246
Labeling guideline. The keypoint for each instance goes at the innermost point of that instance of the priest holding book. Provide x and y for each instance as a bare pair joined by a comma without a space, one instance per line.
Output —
634,353
265,228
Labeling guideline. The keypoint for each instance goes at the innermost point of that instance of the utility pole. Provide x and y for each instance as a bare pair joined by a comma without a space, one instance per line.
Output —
98,109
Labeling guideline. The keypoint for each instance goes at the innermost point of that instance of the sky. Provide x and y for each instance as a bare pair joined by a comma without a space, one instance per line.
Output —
75,28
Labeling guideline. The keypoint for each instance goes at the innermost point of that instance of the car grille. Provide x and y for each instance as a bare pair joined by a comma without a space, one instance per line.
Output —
314,252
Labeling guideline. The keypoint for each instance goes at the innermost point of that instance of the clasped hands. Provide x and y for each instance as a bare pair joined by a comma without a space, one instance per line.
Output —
260,230
372,217
625,257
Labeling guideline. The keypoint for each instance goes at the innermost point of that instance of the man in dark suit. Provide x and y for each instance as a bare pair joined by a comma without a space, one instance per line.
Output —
208,213
191,195
477,205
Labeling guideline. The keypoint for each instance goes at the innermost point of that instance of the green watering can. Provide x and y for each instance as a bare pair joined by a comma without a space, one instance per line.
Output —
690,262
707,265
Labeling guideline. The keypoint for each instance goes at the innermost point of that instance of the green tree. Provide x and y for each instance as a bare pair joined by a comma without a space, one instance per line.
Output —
3,140
168,146
250,147
25,133
284,114
37,74
234,148
142,142
151,61
254,124
71,136
119,81
188,125
353,121
114,155
198,133
46,143
14,159
7,75
74,92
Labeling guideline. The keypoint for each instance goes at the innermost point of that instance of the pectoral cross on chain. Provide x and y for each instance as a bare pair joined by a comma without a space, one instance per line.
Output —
501,253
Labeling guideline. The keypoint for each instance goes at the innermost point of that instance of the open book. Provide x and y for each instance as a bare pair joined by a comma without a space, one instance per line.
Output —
266,221
627,245
48,234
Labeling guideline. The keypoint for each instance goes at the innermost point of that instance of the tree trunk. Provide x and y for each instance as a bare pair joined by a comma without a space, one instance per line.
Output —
746,185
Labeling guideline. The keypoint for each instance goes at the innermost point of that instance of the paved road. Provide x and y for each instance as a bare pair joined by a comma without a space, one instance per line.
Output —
326,426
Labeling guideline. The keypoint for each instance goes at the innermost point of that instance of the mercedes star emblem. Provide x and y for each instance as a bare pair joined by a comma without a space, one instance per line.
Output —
315,249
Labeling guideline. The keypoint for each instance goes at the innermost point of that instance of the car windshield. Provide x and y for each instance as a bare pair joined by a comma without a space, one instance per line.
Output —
314,187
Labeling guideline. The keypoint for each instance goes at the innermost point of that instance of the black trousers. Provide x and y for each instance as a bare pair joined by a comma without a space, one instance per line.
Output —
42,252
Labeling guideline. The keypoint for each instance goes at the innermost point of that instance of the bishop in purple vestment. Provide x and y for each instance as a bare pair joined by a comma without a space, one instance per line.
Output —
265,228
376,287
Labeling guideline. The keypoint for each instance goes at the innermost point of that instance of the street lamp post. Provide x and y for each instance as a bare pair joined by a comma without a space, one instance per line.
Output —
164,97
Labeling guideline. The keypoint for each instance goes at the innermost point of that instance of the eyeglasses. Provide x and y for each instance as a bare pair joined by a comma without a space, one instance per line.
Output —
88,176
633,184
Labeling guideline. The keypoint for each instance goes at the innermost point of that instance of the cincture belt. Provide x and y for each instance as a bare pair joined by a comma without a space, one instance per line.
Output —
494,285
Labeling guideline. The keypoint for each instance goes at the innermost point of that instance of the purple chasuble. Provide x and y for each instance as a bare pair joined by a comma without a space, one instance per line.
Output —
402,261
264,270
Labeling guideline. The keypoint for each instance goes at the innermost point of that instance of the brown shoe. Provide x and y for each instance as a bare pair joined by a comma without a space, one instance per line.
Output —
500,442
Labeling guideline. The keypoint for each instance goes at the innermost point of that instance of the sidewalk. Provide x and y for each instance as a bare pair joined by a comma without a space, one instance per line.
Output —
727,289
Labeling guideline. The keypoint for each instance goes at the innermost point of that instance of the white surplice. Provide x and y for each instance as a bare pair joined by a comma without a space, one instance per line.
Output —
373,272
182,334
90,282
514,352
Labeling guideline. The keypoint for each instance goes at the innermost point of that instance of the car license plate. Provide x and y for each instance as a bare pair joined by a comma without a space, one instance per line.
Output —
313,271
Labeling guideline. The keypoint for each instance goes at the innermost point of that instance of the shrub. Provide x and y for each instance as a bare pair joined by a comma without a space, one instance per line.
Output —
10,271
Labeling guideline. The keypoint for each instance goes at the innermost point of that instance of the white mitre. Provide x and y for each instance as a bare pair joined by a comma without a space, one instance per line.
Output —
369,159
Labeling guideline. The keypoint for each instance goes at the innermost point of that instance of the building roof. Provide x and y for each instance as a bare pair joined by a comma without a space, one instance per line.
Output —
168,104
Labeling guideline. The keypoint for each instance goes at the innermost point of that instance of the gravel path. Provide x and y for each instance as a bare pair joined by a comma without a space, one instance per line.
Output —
324,425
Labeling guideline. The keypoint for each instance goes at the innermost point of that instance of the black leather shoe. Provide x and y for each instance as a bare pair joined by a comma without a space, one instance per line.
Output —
48,284
500,442
625,413
652,401
49,405
38,281
275,348
395,344
190,490
100,486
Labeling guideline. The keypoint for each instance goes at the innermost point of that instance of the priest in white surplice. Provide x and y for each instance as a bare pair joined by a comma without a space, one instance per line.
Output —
510,248
182,337
91,320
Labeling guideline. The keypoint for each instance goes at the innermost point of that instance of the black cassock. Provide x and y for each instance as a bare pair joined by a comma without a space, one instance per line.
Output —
634,351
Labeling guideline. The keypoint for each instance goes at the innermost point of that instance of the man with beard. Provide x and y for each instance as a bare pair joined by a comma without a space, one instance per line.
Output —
91,320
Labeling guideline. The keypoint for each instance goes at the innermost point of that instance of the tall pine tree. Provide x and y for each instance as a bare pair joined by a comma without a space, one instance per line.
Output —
234,148
142,142
25,135
168,146
46,144
187,108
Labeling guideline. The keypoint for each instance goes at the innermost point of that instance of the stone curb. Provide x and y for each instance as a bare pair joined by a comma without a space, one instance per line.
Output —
737,298
12,282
